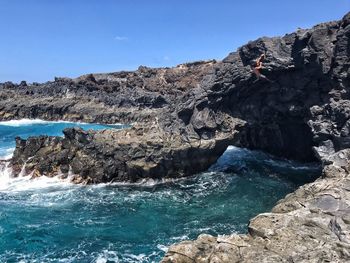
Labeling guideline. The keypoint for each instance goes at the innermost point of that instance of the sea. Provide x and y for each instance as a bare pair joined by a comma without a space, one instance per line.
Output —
52,220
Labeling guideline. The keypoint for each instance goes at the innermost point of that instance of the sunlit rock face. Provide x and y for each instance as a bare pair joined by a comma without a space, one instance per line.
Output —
187,115
310,117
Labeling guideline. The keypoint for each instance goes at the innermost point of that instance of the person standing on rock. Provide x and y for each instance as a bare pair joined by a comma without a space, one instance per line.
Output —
257,67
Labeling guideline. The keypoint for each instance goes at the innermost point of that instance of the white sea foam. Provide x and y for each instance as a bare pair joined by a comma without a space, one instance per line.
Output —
107,256
180,238
147,182
8,154
112,256
270,159
26,122
25,183
163,248
8,183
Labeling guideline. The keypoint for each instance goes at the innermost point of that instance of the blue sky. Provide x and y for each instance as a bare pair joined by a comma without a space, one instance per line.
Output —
41,39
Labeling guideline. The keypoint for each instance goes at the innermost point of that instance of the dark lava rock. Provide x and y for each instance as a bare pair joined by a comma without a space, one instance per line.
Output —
188,115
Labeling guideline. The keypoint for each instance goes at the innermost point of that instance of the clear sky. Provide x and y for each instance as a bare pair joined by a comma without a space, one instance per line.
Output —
41,39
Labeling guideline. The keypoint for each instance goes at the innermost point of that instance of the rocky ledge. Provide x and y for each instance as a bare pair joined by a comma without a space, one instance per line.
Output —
185,118
118,155
310,225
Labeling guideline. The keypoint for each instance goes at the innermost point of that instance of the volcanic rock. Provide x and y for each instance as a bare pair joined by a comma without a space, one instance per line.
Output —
185,117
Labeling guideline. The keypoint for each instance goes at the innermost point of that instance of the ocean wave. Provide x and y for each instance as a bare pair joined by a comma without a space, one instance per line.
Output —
126,222
216,179
146,182
27,122
107,256
8,183
6,154
113,256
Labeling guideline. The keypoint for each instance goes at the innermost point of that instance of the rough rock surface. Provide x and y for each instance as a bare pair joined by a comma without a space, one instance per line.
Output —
303,114
118,155
310,225
102,98
189,114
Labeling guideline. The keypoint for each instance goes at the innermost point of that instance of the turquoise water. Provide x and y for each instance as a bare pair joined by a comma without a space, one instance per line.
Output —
25,128
48,220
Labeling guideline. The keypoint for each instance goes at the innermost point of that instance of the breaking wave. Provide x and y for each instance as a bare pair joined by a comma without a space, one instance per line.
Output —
51,220
27,122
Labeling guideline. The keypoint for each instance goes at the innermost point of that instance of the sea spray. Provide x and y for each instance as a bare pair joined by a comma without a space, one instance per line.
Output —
49,219
23,182
27,122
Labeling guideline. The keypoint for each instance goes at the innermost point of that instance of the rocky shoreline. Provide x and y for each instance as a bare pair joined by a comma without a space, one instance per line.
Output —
186,116
310,225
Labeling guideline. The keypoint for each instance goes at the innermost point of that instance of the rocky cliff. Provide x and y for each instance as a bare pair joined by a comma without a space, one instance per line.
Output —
310,117
186,117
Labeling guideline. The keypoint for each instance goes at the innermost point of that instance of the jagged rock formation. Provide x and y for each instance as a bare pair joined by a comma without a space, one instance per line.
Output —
303,111
103,98
312,224
189,114
112,155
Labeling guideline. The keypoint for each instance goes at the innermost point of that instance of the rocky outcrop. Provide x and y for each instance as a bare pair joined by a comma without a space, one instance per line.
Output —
302,109
301,114
186,117
310,225
118,155
104,98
